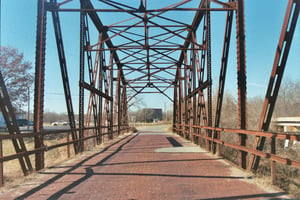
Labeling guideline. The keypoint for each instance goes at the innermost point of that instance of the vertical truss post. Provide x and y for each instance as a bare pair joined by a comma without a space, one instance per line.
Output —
13,128
241,68
109,91
64,73
194,70
125,108
123,103
39,82
177,123
187,91
209,89
100,98
105,114
189,111
222,77
273,163
281,56
111,103
196,80
81,78
175,104
177,111
181,104
118,103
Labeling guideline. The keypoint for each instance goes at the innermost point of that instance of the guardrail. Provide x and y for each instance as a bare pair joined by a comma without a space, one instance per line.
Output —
46,148
184,129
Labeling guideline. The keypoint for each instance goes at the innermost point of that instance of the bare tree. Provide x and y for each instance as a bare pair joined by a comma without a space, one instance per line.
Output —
288,103
136,102
254,110
229,117
17,76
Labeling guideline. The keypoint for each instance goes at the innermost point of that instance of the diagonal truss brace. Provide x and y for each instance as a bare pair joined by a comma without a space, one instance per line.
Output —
282,52
13,128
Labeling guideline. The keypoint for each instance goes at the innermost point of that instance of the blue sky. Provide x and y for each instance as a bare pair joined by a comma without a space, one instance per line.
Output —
263,20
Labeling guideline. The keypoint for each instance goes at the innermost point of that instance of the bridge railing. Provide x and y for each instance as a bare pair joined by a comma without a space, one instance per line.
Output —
183,130
67,142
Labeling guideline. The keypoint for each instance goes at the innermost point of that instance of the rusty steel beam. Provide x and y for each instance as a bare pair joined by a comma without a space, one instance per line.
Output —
175,105
95,90
81,77
39,81
118,103
209,72
100,99
64,73
163,47
242,85
137,11
281,56
222,76
197,90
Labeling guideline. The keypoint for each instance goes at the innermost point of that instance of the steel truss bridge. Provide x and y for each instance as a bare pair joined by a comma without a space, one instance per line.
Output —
150,50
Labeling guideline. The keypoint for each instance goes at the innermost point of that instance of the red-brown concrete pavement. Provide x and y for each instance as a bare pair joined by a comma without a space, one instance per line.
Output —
147,165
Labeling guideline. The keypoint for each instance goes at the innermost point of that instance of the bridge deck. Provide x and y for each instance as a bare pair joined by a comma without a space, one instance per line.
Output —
151,164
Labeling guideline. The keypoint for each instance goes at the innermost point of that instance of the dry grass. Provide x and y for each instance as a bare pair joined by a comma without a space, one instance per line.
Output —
13,175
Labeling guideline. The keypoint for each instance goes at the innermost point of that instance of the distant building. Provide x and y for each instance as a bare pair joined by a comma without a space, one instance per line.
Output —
152,114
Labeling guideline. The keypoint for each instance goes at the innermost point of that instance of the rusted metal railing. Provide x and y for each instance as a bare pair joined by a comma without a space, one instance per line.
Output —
45,148
268,155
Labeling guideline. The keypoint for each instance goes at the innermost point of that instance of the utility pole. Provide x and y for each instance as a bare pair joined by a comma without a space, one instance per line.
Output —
28,111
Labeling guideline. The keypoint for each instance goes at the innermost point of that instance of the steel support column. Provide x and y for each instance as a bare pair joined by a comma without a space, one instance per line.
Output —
100,98
108,106
111,112
181,103
81,77
241,68
39,82
117,114
175,104
194,54
188,101
202,113
124,108
209,88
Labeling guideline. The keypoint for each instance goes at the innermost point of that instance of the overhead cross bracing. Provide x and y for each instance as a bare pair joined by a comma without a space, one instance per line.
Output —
148,40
